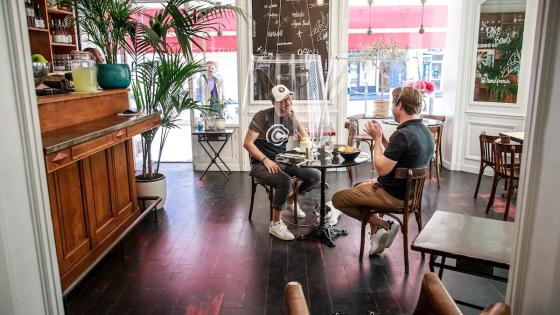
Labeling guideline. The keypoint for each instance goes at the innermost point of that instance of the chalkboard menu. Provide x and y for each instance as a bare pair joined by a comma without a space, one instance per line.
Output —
297,27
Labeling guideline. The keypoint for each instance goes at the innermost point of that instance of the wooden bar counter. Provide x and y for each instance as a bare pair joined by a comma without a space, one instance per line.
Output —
90,174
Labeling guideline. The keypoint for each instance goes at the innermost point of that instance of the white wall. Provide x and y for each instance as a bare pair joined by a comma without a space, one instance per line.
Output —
535,274
29,280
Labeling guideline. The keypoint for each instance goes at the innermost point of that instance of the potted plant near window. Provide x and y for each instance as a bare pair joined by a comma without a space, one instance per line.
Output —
162,70
379,57
217,111
107,24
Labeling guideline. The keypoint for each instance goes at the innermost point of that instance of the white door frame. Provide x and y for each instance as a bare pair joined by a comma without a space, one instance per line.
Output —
29,278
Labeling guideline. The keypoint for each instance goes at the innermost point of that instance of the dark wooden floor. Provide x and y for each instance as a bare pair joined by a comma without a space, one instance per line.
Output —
205,257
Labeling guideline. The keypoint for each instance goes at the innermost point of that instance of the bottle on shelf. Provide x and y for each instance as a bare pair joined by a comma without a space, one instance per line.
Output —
39,21
200,125
30,12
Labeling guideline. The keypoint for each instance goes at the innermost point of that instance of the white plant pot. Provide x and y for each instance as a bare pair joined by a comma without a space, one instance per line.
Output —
381,108
153,187
220,123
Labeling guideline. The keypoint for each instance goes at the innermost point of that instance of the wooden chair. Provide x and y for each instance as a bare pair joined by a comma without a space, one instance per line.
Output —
434,298
415,179
355,137
506,156
442,119
436,159
270,192
486,156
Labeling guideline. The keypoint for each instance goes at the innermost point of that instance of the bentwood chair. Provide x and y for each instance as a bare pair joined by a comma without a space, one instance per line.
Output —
486,156
442,119
506,156
436,158
414,187
354,136
270,192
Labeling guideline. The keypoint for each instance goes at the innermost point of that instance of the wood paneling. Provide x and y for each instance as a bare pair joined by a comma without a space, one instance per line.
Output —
103,216
87,148
69,210
57,112
90,174
122,171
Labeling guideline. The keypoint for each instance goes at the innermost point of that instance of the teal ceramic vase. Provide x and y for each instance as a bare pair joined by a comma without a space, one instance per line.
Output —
113,76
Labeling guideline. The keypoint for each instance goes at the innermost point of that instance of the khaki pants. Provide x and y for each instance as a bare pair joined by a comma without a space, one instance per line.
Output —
368,194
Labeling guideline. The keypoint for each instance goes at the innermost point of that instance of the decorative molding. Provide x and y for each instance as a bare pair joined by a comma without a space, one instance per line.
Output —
495,115
469,136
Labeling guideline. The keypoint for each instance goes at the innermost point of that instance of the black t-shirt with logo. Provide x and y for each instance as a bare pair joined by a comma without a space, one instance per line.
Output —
412,146
273,132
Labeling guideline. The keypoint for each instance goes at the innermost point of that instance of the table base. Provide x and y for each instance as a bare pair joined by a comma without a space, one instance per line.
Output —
325,233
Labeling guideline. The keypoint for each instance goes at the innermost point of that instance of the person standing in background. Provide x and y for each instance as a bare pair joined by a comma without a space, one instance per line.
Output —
212,86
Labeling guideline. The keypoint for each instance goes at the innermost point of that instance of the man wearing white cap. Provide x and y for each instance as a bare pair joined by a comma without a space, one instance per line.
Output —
267,136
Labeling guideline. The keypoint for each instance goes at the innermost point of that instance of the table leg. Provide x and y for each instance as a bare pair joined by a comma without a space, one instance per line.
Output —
215,156
440,275
323,232
432,261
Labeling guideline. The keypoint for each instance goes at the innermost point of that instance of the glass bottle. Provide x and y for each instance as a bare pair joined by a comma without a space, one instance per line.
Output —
84,72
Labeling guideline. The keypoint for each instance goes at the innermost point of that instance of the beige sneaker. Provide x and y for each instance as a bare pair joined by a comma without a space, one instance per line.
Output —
300,213
280,230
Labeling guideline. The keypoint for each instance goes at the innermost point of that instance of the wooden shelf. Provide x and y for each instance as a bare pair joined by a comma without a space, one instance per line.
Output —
35,29
62,45
57,11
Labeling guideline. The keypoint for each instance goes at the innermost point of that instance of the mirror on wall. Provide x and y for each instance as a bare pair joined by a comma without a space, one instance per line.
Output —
500,37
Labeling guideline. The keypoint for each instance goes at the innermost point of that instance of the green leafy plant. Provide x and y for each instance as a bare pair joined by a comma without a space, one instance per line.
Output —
106,23
217,107
162,70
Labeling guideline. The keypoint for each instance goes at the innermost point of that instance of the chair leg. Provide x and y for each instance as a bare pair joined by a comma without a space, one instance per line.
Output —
405,245
363,235
296,188
431,161
270,198
253,191
480,172
440,154
509,194
437,169
418,215
493,193
350,174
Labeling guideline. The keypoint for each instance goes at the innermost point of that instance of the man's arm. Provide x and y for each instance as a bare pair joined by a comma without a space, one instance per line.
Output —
249,145
299,127
382,164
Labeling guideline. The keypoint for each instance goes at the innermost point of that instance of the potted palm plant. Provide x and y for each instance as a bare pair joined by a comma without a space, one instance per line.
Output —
107,24
161,72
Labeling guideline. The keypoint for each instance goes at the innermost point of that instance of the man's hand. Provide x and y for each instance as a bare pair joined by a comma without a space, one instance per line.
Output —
271,166
373,129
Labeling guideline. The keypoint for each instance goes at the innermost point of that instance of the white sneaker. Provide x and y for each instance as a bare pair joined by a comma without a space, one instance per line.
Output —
377,242
393,230
280,230
300,213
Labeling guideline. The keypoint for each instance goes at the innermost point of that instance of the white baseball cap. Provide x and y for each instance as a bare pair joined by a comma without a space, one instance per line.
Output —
280,92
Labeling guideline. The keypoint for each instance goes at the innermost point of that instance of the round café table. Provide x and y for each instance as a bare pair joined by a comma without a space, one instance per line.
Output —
323,232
